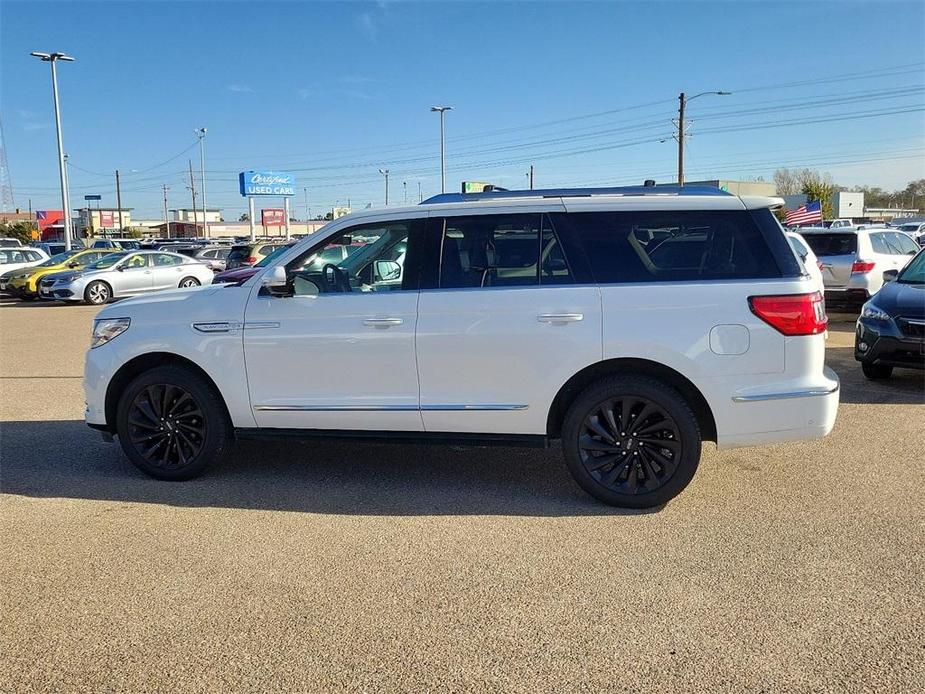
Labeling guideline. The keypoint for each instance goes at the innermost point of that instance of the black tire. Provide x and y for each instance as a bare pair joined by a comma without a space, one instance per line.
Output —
650,422
187,282
194,434
97,293
876,372
28,297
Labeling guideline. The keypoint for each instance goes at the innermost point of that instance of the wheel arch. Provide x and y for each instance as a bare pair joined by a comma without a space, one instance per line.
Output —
112,294
609,367
138,365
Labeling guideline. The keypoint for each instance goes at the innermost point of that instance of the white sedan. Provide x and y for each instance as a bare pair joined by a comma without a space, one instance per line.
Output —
808,258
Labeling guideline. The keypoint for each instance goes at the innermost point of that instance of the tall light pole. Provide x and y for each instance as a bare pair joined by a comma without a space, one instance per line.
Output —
442,111
682,105
385,172
65,202
201,134
404,187
166,216
307,211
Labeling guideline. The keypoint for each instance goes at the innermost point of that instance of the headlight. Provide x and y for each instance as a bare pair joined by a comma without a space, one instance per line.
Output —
872,311
106,329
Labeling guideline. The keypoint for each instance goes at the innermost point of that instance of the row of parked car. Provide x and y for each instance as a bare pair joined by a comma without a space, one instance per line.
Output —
117,268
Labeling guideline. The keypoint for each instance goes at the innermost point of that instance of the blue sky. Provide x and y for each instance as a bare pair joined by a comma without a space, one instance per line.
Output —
334,91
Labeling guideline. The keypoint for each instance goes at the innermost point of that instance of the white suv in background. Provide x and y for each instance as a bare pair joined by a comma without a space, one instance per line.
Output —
853,260
633,324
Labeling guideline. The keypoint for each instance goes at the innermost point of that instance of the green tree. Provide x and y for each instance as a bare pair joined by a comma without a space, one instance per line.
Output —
822,191
19,230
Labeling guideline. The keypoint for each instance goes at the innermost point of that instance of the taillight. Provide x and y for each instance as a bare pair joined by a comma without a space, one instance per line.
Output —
861,266
251,259
819,265
792,314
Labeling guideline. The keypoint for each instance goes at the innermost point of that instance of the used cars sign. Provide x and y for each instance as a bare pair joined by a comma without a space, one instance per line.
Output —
276,183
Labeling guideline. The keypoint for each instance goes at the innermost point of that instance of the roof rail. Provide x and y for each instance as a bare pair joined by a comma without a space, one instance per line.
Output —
574,193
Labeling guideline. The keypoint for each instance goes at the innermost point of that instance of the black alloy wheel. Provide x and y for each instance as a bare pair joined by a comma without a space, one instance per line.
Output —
167,427
172,423
630,445
631,441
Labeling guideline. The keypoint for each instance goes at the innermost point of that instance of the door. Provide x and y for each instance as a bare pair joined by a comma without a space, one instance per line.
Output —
337,352
166,270
505,324
133,276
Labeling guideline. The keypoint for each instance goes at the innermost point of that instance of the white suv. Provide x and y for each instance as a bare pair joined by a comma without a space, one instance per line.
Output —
632,324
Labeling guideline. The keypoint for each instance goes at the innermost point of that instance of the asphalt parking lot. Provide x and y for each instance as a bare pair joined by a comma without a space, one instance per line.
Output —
330,566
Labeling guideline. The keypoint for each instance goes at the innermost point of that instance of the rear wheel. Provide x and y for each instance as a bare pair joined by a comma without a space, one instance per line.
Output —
172,423
876,371
631,441
188,282
97,293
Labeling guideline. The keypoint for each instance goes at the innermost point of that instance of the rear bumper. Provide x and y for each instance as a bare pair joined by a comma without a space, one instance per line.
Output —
778,414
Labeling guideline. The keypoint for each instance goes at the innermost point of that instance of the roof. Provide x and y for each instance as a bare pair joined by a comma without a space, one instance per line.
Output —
575,193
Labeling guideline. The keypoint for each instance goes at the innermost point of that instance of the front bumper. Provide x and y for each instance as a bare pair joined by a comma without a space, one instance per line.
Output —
60,291
882,342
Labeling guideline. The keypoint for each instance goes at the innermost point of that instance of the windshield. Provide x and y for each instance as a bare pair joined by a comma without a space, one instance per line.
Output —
269,259
107,261
914,272
58,259
909,227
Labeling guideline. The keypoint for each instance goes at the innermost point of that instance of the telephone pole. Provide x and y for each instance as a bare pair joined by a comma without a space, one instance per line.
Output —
682,106
201,133
307,210
385,172
192,188
119,200
531,176
166,216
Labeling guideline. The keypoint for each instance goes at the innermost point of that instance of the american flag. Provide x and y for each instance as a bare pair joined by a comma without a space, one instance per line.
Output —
805,214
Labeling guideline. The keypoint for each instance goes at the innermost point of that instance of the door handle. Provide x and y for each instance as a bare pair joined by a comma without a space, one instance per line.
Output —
560,317
382,322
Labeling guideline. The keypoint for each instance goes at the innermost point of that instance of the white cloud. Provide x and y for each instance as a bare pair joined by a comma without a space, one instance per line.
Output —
367,25
240,88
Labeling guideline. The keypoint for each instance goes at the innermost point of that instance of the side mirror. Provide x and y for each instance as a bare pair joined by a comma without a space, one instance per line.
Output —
386,270
890,275
275,281
120,268
73,265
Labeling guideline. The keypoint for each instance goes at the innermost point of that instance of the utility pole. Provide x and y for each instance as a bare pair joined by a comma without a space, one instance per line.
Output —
192,187
166,216
201,134
404,186
531,176
385,172
308,215
119,200
682,107
420,194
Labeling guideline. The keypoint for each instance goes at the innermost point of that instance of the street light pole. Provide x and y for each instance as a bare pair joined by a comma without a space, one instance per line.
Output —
118,201
682,105
65,202
307,211
201,134
166,216
442,111
385,172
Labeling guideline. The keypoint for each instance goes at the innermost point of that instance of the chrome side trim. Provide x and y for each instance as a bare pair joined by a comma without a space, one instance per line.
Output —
389,408
808,393
260,325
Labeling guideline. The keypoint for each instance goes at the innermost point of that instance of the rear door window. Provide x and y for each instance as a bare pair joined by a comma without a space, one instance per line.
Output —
902,242
832,244
879,245
671,246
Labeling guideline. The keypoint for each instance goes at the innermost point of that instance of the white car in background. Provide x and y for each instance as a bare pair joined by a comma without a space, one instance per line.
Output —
18,258
915,229
807,257
853,260
125,273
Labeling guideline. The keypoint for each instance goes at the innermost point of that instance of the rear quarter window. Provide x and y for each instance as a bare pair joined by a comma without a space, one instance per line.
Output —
832,244
672,246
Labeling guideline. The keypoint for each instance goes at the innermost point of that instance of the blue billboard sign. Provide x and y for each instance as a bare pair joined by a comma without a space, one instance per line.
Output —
271,183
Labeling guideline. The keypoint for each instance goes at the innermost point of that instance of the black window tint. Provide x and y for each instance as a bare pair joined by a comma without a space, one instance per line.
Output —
672,246
905,244
832,244
490,251
554,265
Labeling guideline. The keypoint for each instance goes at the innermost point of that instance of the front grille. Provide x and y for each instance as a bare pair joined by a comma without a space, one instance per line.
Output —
912,327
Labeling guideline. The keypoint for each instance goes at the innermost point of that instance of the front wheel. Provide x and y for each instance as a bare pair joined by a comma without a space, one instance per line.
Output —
172,423
188,282
876,372
97,293
631,441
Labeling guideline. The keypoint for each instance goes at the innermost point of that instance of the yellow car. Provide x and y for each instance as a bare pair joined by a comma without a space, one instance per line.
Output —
25,284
